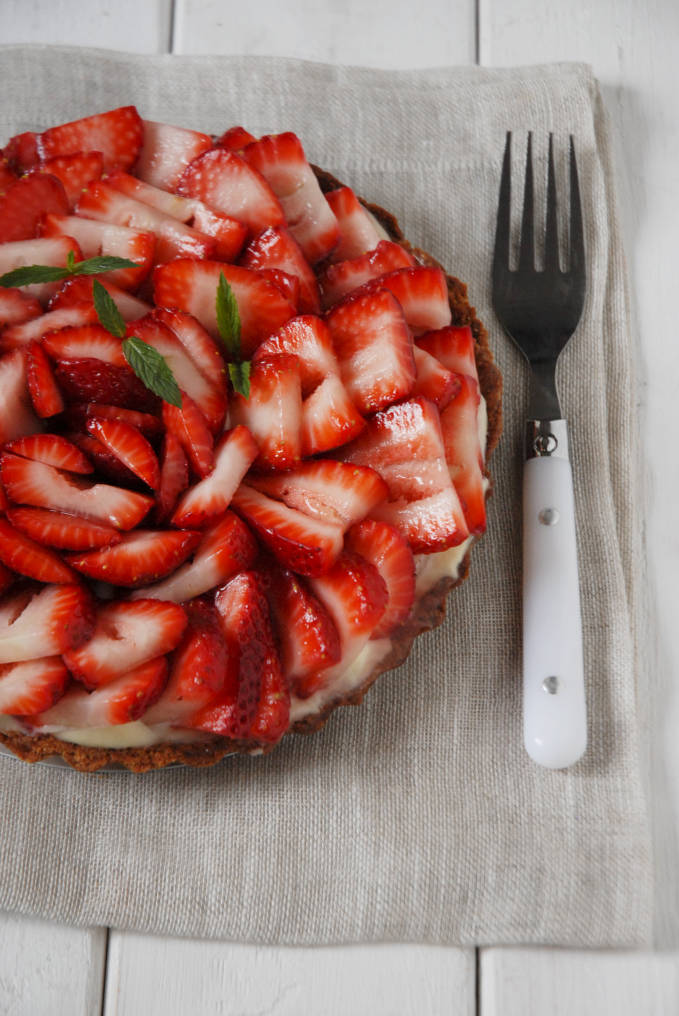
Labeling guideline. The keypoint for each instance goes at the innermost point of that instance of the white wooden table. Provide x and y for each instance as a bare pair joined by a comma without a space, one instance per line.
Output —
50,970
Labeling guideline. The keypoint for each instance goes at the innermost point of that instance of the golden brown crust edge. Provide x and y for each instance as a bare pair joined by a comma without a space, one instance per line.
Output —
429,612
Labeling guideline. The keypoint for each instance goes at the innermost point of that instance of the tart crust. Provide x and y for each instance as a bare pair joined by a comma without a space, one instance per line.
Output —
428,613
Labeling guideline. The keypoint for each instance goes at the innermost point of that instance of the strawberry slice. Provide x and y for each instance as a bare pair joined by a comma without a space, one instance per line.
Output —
7,174
127,634
308,338
105,462
122,700
386,549
88,379
21,151
200,670
422,293
75,292
286,284
405,445
190,428
45,250
16,414
307,636
275,247
130,446
273,412
43,389
74,171
117,134
166,152
21,334
227,547
235,139
303,544
234,455
78,342
16,308
65,532
281,160
24,203
229,234
43,486
374,348
192,286
329,418
343,277
7,578
173,205
326,490
102,238
433,381
32,685
27,557
358,231
174,477
44,623
200,346
53,449
79,413
454,347
145,555
226,183
464,454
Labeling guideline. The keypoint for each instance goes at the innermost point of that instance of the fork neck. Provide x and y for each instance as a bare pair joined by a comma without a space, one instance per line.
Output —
543,402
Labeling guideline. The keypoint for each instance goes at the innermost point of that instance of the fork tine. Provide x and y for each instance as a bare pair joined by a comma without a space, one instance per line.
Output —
501,255
551,229
577,241
527,248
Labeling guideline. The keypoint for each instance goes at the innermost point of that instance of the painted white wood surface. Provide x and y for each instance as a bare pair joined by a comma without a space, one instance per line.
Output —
139,26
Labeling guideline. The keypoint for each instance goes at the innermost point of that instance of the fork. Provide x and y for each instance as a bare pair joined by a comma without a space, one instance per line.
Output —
540,310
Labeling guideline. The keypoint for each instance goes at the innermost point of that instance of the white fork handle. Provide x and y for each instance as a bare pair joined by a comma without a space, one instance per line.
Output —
554,713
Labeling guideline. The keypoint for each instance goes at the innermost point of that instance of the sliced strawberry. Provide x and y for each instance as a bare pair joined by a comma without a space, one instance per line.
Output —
53,449
388,551
308,639
287,285
173,205
75,292
127,634
200,346
75,172
405,445
45,250
101,238
24,203
167,151
44,623
308,338
273,412
234,455
329,418
464,454
192,286
27,557
122,700
433,380
117,134
190,428
149,425
7,174
174,477
21,151
7,578
92,380
358,232
43,486
107,465
235,139
454,347
19,335
130,446
275,247
225,182
337,492
145,555
65,532
342,278
422,293
281,160
16,308
200,670
228,234
226,548
16,414
44,391
32,685
374,348
305,545
85,341
173,239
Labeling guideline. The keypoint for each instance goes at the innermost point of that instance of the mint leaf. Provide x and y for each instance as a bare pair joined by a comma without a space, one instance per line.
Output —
29,274
228,318
70,261
109,316
94,266
152,370
240,378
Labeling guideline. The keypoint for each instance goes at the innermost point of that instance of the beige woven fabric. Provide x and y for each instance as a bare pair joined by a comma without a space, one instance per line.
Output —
417,817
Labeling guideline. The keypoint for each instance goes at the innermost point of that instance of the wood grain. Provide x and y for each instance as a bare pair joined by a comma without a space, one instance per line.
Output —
139,27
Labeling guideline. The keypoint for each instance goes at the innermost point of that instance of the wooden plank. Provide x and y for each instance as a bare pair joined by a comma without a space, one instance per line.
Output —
173,977
125,24
384,33
523,982
50,968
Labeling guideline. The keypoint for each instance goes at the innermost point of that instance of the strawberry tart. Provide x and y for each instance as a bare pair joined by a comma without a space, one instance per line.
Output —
244,430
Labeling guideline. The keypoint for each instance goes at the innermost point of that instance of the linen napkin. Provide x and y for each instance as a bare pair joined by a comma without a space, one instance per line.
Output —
417,817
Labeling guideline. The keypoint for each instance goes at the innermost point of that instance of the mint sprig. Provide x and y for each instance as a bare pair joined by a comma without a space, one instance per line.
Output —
27,275
229,327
